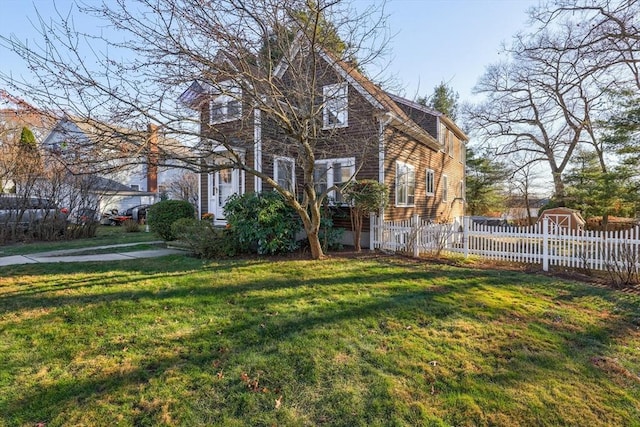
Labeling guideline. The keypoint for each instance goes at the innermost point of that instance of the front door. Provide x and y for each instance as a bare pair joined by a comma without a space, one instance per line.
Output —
225,183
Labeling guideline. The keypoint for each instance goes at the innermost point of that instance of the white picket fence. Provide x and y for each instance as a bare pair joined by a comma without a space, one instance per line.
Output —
544,243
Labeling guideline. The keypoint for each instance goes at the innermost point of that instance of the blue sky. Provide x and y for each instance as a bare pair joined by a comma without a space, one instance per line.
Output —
435,40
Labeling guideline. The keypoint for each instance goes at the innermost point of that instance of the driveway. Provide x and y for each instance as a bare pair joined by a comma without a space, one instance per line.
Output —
67,255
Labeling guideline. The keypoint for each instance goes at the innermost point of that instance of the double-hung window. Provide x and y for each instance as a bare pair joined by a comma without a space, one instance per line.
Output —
335,113
333,172
226,106
430,182
405,184
284,172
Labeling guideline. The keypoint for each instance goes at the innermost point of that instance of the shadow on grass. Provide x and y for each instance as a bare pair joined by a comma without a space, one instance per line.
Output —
402,295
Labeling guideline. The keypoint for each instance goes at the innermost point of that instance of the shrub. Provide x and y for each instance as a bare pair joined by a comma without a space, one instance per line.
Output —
330,236
263,222
364,197
164,213
131,226
203,239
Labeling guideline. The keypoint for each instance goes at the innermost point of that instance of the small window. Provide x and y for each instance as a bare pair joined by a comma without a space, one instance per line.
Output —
226,106
405,184
451,144
135,187
445,188
284,172
335,112
430,183
463,153
462,195
442,135
333,172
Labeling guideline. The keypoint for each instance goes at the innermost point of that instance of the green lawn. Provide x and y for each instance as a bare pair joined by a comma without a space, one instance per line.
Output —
343,342
106,235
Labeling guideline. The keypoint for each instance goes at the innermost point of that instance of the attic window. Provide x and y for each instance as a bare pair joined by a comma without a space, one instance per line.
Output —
335,113
226,106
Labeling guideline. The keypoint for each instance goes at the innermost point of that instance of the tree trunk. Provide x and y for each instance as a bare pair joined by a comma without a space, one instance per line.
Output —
312,228
559,187
314,244
527,206
356,227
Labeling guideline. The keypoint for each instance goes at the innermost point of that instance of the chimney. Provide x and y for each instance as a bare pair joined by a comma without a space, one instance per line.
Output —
152,159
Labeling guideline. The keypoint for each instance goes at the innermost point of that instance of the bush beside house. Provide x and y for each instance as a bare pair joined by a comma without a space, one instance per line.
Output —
163,214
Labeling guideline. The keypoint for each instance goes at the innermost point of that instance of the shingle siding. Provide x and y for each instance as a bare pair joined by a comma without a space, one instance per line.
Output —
360,139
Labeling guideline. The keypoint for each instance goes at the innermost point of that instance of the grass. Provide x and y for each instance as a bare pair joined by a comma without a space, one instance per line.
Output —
120,249
106,235
360,342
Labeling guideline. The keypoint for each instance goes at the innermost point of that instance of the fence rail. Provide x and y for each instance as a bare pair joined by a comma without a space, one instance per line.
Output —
544,243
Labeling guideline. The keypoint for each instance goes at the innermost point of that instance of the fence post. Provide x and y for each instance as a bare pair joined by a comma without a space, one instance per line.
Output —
465,235
380,236
415,230
545,244
372,231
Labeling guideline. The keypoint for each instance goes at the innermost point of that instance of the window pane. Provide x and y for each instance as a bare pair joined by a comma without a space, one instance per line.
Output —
320,177
336,103
217,112
233,108
284,176
411,185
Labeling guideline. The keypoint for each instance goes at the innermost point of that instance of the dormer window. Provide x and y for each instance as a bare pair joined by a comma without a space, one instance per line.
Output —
226,106
335,113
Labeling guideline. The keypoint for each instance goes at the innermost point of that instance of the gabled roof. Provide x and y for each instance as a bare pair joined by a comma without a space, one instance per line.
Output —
416,110
401,116
109,186
98,135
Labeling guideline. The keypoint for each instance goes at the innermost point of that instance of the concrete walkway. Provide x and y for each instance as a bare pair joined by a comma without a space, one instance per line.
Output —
67,255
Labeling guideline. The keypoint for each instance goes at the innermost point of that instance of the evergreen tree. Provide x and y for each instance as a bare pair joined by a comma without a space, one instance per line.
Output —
444,99
597,193
27,140
484,181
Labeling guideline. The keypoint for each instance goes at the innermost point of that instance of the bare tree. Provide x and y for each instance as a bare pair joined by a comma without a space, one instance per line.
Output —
543,102
522,182
184,187
268,55
605,29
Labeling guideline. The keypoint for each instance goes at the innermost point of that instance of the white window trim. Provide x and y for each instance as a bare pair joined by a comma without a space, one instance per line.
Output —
445,189
223,99
345,162
433,182
329,93
293,170
399,165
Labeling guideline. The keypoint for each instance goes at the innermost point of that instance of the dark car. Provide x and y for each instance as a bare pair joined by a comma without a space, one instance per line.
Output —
35,214
137,213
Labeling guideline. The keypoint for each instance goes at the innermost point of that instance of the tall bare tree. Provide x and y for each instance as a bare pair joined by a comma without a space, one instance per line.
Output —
547,98
159,47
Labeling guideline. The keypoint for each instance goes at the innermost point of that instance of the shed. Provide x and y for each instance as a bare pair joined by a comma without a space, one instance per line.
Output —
563,218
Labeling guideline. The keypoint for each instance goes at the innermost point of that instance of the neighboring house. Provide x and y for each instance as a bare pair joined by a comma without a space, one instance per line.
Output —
127,167
517,209
16,114
417,152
